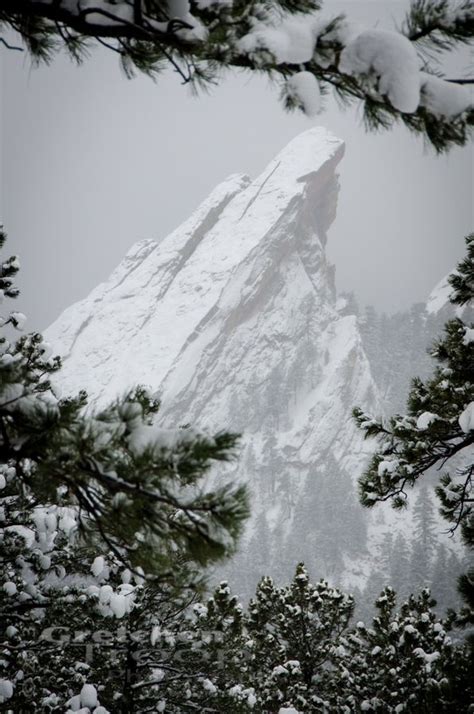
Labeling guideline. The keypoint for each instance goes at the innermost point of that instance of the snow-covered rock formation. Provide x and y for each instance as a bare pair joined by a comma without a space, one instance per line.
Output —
233,319
439,296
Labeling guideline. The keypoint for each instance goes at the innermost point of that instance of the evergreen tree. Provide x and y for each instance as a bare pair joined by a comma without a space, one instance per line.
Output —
400,568
405,662
438,428
380,576
396,346
255,556
294,648
446,570
424,541
292,630
275,466
99,511
385,559
327,493
285,39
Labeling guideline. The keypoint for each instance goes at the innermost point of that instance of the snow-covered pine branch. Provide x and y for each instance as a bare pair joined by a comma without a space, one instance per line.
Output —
289,40
441,24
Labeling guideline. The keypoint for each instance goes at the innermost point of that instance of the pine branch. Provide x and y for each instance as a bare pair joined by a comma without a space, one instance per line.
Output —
198,46
10,47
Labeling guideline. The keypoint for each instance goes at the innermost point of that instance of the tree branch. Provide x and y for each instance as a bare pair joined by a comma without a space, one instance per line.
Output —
10,47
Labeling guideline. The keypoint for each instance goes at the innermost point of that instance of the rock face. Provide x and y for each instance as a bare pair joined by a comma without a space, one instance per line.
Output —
233,319
439,296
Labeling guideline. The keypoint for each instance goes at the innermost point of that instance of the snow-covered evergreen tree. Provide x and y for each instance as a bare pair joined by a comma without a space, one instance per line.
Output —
99,511
326,547
438,429
292,629
294,649
397,345
400,568
380,576
424,541
404,662
396,74
447,568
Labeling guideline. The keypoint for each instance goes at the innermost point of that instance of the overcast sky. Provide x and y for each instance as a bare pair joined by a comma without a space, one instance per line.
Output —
92,162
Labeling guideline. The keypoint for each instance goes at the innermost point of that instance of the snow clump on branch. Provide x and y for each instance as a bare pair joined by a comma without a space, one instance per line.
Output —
390,57
386,59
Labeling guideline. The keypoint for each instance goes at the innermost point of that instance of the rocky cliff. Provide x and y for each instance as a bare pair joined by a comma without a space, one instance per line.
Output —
233,319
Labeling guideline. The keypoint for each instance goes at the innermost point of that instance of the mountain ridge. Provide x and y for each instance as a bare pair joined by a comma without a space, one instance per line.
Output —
233,319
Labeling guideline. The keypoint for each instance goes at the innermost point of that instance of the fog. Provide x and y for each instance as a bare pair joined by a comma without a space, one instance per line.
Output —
92,162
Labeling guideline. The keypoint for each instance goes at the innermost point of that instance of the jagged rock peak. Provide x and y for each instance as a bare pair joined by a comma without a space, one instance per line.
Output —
304,155
138,325
233,319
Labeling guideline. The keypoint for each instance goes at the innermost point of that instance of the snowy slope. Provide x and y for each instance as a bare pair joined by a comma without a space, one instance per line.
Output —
439,296
233,319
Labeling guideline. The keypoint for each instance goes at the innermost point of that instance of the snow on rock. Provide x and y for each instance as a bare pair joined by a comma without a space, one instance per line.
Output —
236,321
390,57
162,295
439,296
131,293
466,419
